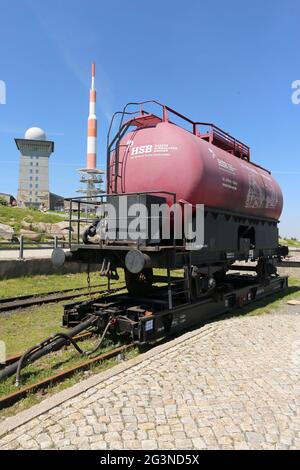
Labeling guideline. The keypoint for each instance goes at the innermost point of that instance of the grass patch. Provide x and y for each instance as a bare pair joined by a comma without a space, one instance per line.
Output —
47,283
289,242
14,216
23,328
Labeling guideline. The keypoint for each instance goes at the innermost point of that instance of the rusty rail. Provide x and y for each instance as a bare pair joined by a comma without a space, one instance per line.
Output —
7,305
13,398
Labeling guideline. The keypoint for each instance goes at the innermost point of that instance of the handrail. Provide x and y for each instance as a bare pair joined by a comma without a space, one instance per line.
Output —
210,124
239,149
84,199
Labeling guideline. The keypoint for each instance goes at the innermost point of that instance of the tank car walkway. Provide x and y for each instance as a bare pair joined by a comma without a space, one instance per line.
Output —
230,385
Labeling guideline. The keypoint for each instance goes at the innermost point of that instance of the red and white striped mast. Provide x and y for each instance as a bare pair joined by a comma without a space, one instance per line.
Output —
92,126
90,175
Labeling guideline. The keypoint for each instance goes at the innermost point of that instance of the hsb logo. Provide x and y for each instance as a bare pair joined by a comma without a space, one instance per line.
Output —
142,149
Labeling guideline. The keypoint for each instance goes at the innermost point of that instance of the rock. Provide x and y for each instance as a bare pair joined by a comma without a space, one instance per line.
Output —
40,227
64,225
52,229
26,225
6,232
29,235
58,231
60,236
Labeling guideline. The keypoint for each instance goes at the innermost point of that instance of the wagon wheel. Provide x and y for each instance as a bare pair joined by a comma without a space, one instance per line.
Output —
139,284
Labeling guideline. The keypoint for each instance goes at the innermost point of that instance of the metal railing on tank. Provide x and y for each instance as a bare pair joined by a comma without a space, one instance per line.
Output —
213,134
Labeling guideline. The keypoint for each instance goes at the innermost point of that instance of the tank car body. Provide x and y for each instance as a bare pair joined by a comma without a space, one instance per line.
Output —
150,159
166,156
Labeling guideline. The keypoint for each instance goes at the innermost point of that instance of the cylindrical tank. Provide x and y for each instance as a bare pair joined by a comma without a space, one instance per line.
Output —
167,157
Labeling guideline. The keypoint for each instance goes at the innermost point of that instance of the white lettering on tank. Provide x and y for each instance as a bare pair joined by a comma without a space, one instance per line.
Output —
141,149
223,165
157,150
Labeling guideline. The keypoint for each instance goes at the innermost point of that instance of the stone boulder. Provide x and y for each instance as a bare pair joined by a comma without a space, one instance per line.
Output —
40,227
26,225
64,225
6,232
29,235
61,230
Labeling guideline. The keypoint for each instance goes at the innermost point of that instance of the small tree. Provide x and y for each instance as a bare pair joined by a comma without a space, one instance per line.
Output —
3,201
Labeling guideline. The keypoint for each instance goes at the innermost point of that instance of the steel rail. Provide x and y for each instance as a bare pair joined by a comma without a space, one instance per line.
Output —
13,398
45,294
35,300
16,357
288,264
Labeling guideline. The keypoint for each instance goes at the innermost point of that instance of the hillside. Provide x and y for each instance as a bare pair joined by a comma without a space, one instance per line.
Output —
289,242
13,216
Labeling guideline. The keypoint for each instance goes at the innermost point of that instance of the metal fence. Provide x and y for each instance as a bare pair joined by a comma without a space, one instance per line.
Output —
21,245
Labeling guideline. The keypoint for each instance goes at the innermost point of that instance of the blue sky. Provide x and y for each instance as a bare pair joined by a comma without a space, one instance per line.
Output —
232,63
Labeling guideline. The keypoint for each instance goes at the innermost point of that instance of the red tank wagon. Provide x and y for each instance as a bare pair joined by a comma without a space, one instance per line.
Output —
154,158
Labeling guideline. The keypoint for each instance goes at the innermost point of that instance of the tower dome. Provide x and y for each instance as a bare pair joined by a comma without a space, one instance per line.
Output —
35,133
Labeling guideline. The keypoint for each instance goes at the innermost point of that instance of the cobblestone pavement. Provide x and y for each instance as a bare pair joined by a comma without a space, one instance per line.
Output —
234,386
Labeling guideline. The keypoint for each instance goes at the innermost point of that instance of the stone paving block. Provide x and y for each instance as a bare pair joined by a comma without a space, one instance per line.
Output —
149,444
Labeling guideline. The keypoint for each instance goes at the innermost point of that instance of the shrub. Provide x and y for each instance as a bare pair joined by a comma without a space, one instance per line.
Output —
33,208
3,201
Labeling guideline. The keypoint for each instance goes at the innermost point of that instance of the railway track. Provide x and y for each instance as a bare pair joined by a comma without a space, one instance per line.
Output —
13,398
88,322
17,357
14,303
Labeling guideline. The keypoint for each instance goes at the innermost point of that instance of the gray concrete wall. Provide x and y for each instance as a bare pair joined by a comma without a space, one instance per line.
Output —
15,268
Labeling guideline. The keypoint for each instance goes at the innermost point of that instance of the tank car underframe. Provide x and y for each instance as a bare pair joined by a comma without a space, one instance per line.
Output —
168,310
145,320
